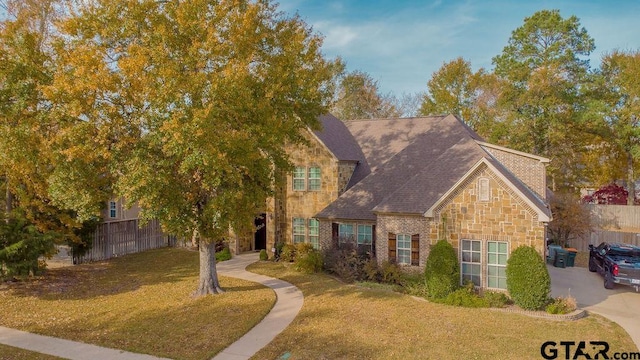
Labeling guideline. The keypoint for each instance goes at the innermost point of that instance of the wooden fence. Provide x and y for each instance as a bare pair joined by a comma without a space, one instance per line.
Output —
612,223
118,238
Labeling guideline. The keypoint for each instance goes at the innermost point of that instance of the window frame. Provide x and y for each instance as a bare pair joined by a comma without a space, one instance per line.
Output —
501,273
298,230
343,239
300,180
403,252
314,233
359,233
314,183
470,263
113,210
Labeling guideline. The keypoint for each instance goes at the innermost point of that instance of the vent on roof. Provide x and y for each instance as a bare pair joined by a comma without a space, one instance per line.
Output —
483,189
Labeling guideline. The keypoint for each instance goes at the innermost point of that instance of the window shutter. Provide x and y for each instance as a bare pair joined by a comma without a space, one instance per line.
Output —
334,234
415,249
373,240
392,247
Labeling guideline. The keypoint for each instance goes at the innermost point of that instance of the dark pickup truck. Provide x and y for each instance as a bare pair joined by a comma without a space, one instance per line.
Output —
617,263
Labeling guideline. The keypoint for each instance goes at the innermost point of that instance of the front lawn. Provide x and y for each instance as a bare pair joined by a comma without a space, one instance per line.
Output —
341,321
11,353
139,303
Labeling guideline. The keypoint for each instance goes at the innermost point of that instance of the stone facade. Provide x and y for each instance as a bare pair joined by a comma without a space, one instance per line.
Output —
289,204
503,217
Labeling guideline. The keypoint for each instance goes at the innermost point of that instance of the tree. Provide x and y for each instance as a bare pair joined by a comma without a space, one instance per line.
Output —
451,90
472,97
192,103
358,97
27,129
571,218
543,65
616,107
611,194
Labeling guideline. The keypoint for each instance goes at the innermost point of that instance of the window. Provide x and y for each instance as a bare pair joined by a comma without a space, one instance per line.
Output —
496,264
299,179
299,230
365,234
404,249
345,233
471,262
483,189
314,233
314,179
113,209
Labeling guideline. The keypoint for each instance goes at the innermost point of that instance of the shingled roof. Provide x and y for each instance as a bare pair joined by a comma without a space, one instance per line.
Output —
338,139
414,163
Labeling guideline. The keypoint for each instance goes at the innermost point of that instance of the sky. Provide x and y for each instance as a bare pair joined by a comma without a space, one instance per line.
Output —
401,43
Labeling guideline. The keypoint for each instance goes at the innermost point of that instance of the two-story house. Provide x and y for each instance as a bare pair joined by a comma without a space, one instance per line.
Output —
400,185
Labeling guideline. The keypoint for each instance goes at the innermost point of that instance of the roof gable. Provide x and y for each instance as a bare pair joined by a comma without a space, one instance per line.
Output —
415,163
335,136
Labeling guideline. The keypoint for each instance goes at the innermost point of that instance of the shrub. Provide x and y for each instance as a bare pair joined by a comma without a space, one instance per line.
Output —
288,253
223,255
466,297
303,249
263,255
371,270
442,273
415,284
279,245
310,262
391,273
21,246
561,305
84,239
345,263
496,299
528,280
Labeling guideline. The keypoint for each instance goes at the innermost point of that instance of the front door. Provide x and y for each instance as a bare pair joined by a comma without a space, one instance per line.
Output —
260,237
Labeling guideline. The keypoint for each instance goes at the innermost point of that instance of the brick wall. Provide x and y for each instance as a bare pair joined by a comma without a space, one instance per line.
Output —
530,171
402,224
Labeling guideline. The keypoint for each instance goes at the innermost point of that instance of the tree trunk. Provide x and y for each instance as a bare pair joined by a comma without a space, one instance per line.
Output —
631,183
208,283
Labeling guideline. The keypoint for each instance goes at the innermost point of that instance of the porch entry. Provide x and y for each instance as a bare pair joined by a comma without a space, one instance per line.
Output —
260,237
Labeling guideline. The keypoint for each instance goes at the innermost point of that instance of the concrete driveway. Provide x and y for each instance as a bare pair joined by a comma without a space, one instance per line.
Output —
622,304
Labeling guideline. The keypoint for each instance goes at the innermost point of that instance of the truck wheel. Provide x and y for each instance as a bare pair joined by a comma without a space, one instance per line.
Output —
608,281
592,265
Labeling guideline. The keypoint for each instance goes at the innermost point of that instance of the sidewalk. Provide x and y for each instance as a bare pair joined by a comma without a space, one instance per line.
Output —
288,303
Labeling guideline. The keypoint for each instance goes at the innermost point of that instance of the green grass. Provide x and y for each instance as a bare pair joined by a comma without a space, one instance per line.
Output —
341,321
140,303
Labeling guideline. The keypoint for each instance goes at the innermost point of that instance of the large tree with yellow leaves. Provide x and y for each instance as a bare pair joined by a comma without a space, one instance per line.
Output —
191,103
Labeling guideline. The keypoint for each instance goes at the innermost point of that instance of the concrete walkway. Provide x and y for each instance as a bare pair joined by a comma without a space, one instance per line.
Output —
619,305
288,303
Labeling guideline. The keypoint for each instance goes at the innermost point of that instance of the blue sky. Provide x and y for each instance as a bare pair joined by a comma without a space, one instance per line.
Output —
401,43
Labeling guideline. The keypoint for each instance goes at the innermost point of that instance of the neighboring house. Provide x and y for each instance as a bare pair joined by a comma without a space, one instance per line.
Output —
117,210
397,186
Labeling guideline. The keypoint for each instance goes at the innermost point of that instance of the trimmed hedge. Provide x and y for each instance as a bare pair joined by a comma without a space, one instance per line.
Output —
528,280
442,272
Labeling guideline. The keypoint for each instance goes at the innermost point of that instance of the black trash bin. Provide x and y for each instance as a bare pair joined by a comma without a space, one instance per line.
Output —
561,258
571,257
